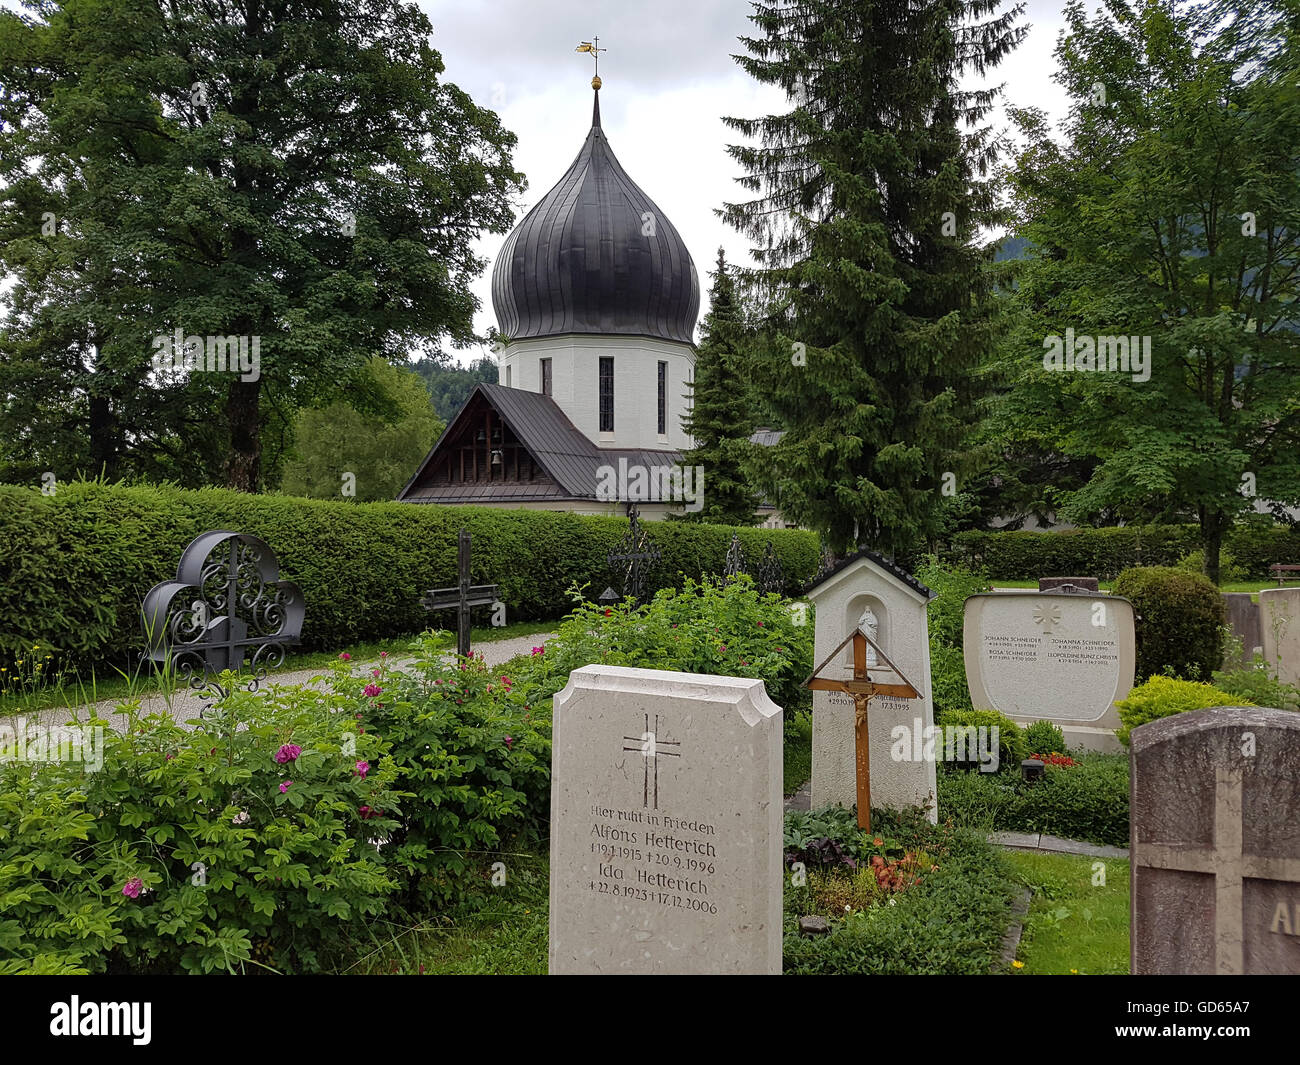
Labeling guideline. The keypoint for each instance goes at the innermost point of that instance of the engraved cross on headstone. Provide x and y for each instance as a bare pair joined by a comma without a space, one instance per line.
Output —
651,748
463,596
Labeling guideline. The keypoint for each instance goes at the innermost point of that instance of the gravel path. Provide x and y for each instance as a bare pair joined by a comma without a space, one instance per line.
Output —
185,705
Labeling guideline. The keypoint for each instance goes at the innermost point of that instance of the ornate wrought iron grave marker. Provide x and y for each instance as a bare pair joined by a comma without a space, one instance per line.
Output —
636,557
463,596
226,604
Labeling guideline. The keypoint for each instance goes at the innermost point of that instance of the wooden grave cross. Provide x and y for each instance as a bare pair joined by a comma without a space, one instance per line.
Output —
463,596
862,688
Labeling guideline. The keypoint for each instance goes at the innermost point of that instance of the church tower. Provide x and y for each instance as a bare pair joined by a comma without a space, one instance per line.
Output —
596,298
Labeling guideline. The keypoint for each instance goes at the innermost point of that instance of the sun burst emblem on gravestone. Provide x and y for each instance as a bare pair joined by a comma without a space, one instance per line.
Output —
226,605
1048,615
651,746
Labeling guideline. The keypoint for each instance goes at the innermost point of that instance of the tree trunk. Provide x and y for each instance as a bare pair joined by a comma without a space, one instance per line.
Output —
104,438
1213,524
243,416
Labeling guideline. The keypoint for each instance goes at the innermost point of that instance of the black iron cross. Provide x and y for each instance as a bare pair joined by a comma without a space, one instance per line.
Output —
651,748
735,562
639,555
463,596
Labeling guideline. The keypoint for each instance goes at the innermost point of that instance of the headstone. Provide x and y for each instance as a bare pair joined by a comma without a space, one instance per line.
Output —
1279,623
1048,656
1242,615
666,824
1215,843
1077,585
868,590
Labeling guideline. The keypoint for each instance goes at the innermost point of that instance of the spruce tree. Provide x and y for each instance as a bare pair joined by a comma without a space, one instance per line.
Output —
869,191
719,418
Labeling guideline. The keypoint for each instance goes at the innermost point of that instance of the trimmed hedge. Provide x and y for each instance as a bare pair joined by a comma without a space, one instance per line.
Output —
1104,553
75,566
1180,619
1087,801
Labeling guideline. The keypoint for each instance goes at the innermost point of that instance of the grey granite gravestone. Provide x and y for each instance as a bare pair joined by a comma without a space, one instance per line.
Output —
1215,842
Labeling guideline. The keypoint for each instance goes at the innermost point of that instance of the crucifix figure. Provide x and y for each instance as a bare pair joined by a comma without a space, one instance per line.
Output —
462,597
651,748
862,688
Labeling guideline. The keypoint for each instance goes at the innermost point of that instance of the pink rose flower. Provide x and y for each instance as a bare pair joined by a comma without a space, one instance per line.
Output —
371,690
362,769
133,888
285,786
509,741
540,650
345,657
287,753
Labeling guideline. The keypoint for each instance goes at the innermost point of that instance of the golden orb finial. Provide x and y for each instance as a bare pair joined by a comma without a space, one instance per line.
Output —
596,82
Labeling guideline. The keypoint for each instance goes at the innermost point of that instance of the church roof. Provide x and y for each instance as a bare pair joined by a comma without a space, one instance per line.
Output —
568,458
596,256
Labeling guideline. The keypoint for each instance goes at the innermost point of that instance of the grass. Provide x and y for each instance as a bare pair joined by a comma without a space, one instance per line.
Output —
797,751
1075,924
74,690
501,931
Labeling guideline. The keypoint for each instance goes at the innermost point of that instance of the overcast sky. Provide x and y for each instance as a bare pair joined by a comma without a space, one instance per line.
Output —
669,77
668,80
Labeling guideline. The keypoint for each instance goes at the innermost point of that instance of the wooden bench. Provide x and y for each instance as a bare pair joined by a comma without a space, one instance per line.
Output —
1284,573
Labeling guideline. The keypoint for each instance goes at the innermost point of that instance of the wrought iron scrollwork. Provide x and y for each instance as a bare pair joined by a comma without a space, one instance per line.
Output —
226,605
635,557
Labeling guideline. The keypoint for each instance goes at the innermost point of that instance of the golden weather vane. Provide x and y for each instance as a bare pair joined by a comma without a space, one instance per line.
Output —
593,48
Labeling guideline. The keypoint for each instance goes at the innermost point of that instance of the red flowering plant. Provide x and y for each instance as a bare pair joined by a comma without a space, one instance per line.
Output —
1055,758
214,845
473,760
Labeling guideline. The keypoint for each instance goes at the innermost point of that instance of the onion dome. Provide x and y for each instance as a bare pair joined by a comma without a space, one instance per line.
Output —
596,256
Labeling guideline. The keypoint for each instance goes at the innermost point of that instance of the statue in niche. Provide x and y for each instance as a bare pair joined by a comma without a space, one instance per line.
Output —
870,625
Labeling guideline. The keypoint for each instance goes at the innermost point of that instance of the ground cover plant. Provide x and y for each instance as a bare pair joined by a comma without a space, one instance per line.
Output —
906,897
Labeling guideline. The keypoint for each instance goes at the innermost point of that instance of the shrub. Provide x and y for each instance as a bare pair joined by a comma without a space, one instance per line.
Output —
952,921
706,627
74,566
1042,737
1258,685
1011,737
473,753
1179,621
953,584
1229,570
239,842
1162,696
1088,801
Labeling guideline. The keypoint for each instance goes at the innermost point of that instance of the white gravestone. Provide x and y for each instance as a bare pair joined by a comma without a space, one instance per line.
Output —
666,824
866,590
1279,623
1050,656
